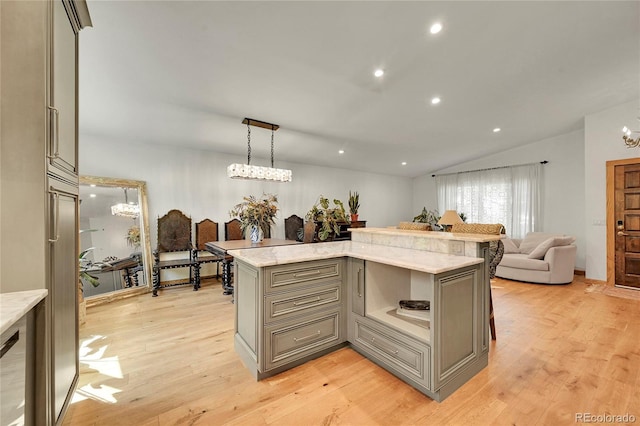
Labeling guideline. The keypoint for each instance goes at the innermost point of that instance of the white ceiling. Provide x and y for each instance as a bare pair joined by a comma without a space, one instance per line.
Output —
187,73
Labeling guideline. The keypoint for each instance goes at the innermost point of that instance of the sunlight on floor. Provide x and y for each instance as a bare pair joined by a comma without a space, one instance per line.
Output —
102,394
92,354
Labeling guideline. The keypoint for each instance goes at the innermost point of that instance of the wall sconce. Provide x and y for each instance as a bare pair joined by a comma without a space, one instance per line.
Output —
631,143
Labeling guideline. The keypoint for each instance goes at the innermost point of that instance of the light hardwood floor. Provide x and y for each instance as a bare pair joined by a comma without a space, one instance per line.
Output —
561,350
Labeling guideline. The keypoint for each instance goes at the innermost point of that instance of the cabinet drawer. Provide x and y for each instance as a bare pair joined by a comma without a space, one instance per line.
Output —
295,341
285,277
285,305
410,359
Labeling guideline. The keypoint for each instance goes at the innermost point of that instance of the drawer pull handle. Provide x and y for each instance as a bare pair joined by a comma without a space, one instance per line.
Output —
306,302
393,352
55,146
359,282
306,274
299,339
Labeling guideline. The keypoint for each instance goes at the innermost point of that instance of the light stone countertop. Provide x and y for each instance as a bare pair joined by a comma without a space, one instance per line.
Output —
418,260
476,238
15,305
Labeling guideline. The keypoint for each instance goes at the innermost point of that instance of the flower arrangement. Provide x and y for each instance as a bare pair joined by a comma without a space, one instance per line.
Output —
133,236
258,212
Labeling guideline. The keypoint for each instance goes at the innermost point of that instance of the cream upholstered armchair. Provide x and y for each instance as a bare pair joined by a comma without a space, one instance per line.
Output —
540,257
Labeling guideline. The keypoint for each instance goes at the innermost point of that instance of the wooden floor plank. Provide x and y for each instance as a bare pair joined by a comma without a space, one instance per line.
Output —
560,350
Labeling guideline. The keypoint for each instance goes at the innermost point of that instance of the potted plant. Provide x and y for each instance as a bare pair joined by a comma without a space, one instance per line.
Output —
354,205
84,266
327,220
133,237
432,217
428,216
256,214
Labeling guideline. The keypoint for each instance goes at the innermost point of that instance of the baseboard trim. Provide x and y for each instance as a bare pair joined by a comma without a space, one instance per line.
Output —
578,272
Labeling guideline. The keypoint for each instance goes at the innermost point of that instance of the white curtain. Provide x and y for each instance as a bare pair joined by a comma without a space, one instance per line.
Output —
507,195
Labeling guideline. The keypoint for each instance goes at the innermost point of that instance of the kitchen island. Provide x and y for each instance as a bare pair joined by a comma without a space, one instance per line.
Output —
295,303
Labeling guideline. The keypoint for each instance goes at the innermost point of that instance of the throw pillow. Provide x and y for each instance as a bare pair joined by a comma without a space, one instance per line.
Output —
540,251
510,246
415,226
533,240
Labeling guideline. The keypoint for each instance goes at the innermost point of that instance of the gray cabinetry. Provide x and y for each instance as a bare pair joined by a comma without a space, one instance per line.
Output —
39,182
62,146
63,292
403,355
295,340
288,314
356,280
13,375
435,354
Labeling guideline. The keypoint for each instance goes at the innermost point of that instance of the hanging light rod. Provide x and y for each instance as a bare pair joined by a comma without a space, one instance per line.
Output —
249,171
258,123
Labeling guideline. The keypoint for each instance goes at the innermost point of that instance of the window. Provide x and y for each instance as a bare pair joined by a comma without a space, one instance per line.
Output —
506,195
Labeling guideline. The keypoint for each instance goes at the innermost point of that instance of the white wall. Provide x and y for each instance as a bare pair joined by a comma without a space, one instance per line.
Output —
563,201
195,182
603,142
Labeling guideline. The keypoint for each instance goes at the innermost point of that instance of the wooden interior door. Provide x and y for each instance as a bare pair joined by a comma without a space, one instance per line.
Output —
627,222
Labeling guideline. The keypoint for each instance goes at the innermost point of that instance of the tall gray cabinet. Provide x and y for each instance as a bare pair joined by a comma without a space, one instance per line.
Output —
39,184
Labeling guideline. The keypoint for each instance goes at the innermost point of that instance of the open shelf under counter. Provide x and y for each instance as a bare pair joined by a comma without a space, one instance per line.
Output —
418,329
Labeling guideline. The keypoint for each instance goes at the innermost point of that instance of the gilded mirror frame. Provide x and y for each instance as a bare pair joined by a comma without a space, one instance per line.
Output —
141,186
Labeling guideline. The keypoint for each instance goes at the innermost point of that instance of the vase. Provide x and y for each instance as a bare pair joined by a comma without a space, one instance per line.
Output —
255,234
354,217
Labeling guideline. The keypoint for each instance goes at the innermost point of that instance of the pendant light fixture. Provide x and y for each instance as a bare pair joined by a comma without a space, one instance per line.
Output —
126,209
248,171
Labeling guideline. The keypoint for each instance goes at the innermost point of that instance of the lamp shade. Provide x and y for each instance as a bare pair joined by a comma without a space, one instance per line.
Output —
450,217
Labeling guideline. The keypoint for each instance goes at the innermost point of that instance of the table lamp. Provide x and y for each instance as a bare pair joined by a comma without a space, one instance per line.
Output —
449,218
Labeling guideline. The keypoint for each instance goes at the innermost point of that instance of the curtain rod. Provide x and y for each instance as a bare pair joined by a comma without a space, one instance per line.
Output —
489,168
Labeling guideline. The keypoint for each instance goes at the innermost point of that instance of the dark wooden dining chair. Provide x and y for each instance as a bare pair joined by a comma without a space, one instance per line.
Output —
292,228
207,231
232,230
174,236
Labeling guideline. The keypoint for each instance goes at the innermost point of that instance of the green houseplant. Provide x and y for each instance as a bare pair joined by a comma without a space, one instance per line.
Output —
327,219
133,237
354,205
432,217
256,214
84,265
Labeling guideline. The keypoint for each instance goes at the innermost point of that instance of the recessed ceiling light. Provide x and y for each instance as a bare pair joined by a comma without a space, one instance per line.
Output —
435,101
496,130
378,73
404,163
93,185
92,195
341,151
436,28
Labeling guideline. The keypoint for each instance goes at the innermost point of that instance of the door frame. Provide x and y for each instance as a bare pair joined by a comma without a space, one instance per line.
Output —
611,238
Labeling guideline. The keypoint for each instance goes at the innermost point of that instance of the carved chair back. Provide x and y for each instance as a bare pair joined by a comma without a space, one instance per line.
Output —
233,230
174,232
292,226
206,230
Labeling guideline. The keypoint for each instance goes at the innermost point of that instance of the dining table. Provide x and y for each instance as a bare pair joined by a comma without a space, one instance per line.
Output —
221,249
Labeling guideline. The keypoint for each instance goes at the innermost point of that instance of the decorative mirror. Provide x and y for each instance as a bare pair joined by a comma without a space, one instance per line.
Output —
115,250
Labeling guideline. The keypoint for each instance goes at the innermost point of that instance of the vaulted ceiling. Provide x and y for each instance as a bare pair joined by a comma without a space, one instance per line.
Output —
186,73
